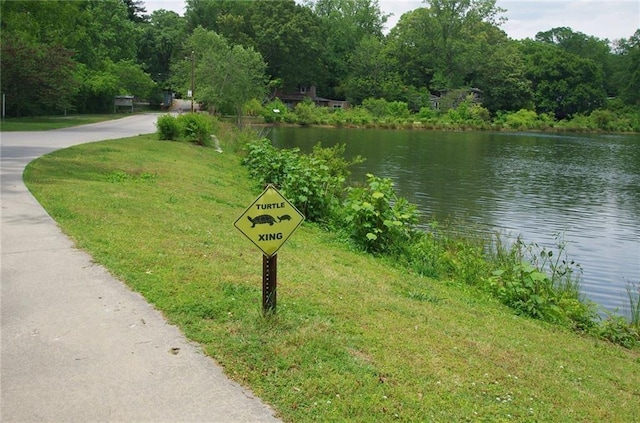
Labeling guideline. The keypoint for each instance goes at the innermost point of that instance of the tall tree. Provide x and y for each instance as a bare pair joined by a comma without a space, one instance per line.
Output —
136,10
287,35
585,46
160,42
455,23
442,46
372,74
412,44
563,83
226,76
626,69
503,79
344,24
36,78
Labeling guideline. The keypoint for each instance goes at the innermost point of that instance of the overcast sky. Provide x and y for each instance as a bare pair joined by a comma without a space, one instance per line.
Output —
611,19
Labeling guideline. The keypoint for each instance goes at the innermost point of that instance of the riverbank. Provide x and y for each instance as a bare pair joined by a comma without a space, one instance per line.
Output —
382,114
354,339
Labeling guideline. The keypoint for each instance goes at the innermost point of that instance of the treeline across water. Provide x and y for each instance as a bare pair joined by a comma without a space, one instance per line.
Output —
74,57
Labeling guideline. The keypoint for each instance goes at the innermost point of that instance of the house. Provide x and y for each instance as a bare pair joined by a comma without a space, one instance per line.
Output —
291,99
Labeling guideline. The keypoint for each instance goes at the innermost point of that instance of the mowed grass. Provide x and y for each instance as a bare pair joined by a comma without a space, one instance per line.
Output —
44,123
354,338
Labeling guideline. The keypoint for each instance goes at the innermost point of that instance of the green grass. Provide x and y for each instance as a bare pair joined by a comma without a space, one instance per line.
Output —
45,123
354,338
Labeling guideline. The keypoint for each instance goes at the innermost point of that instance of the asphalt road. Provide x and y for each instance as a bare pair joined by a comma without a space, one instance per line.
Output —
76,344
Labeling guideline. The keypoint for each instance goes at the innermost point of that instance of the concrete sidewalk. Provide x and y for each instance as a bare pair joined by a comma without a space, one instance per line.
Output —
77,344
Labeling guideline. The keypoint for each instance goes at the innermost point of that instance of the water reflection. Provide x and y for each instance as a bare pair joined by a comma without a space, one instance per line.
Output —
535,185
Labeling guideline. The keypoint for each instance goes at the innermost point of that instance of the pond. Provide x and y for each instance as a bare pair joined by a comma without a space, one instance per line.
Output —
586,187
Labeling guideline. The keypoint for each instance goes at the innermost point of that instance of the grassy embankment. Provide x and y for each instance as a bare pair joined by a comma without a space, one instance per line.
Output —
44,123
354,339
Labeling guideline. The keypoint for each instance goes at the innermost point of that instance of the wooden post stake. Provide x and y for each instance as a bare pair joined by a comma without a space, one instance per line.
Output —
269,284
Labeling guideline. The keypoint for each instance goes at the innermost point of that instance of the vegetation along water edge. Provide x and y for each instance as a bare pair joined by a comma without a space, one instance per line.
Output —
376,321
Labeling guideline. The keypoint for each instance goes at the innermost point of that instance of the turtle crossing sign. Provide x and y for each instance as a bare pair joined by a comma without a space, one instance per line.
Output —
269,221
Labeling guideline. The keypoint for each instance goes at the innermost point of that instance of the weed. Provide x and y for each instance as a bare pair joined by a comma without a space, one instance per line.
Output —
633,295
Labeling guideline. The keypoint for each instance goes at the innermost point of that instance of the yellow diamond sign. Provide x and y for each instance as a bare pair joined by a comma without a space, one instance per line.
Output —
269,221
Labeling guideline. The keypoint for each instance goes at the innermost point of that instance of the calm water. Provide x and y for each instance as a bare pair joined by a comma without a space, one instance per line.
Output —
534,185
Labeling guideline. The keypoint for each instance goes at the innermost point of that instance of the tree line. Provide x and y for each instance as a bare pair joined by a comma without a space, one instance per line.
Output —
61,56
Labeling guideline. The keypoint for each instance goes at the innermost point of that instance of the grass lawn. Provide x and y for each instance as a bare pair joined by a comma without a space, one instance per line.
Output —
44,123
354,338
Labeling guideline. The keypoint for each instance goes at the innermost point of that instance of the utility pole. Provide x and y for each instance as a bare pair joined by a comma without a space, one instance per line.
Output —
193,61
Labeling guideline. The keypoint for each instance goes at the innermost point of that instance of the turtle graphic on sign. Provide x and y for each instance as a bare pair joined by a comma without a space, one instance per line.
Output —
269,221
263,218
267,218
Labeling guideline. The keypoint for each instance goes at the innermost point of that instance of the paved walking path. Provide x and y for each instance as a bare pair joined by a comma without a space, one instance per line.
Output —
77,345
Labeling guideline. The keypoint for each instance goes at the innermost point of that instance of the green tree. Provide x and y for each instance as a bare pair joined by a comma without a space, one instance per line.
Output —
503,80
371,74
444,45
136,10
455,23
344,25
287,35
226,76
161,42
103,32
584,46
36,78
626,73
563,83
411,43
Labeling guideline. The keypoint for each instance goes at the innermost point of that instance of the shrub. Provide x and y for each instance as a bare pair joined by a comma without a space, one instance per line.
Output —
196,128
398,109
602,119
540,283
274,111
313,183
306,112
168,128
337,118
378,107
252,108
522,120
617,330
358,116
427,114
378,220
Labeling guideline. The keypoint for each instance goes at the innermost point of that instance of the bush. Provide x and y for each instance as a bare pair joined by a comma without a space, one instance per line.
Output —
378,220
313,183
617,330
398,109
252,108
168,128
358,116
274,111
192,127
196,128
377,107
306,112
427,114
522,119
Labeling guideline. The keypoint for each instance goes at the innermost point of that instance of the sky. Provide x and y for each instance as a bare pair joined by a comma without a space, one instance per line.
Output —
610,19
